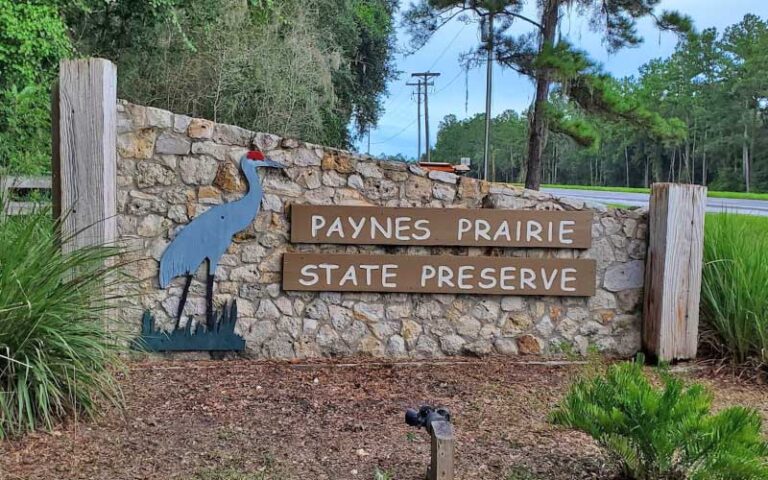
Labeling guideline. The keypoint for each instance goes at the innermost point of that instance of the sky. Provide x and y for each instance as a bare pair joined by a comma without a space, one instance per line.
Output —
397,128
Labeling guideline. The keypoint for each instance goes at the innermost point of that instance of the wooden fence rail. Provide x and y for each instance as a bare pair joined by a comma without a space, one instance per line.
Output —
11,184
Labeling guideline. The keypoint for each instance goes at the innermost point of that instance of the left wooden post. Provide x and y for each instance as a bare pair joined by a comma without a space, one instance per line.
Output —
84,123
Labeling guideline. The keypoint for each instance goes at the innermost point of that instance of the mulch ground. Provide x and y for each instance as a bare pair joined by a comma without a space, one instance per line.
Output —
247,420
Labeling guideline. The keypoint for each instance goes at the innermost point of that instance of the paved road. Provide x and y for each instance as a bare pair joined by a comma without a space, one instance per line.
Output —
747,207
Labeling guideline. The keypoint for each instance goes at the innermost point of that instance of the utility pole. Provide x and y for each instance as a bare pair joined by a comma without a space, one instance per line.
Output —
418,113
486,28
424,79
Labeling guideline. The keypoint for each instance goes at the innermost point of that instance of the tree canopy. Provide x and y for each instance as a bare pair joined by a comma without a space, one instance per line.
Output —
314,69
710,92
585,92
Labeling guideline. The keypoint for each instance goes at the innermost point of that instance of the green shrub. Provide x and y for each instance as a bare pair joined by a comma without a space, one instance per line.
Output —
734,285
56,357
664,433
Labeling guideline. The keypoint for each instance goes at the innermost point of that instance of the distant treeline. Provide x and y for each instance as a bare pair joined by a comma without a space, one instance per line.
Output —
715,84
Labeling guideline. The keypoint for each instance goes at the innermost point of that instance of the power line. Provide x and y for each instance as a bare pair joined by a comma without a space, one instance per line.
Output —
449,83
446,47
395,135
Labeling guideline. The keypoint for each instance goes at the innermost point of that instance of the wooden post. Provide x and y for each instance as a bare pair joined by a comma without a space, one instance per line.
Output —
441,466
673,271
84,152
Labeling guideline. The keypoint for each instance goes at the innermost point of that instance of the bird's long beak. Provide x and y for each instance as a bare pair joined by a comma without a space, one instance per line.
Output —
270,164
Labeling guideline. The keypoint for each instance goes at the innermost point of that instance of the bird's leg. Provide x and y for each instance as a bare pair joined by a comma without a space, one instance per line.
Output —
183,300
209,301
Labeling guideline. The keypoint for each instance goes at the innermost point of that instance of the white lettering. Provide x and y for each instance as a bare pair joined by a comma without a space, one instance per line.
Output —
444,276
386,275
423,226
507,277
482,227
465,274
357,228
565,277
563,231
400,228
328,267
428,272
308,271
464,226
527,278
533,229
548,282
318,222
487,274
336,227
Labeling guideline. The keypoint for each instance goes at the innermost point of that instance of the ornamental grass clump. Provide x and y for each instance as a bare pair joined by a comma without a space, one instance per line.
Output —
56,356
734,297
666,432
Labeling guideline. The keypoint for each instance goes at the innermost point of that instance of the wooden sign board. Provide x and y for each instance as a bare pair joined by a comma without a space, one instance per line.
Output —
444,227
438,274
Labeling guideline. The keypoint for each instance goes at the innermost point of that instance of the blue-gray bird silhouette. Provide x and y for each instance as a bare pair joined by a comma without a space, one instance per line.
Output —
208,236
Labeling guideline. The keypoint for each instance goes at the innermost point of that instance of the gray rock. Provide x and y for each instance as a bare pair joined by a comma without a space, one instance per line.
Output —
444,177
151,174
396,346
260,331
486,310
173,144
479,347
369,169
452,344
198,170
444,192
267,310
625,276
427,347
506,346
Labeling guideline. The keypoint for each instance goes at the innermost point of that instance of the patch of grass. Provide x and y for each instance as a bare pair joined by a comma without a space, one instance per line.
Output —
235,470
710,193
734,290
521,473
666,432
379,474
56,356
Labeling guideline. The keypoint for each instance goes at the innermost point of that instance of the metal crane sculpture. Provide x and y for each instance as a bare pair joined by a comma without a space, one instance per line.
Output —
208,236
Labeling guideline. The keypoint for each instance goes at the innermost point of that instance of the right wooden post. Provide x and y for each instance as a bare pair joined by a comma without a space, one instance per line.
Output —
673,271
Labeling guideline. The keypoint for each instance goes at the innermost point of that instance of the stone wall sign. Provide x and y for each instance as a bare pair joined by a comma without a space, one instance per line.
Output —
443,227
438,274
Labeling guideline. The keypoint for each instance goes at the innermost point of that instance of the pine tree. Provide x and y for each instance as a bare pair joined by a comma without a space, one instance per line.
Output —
551,61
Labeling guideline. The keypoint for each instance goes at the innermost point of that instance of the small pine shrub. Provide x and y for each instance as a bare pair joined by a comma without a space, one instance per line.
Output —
56,356
664,433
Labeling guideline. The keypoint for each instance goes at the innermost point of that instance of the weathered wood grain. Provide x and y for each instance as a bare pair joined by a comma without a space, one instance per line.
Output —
84,152
673,271
441,466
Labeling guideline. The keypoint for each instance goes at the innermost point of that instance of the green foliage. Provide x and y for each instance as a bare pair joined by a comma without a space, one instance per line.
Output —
25,130
584,90
33,38
294,68
667,432
464,138
56,357
734,282
379,474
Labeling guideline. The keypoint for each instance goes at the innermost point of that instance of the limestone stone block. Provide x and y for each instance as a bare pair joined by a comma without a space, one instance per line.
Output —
200,128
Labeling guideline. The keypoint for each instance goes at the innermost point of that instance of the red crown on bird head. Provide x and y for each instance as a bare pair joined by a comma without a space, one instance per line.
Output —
255,155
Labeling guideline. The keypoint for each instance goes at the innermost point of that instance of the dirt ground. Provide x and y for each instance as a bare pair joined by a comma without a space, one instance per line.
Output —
247,420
